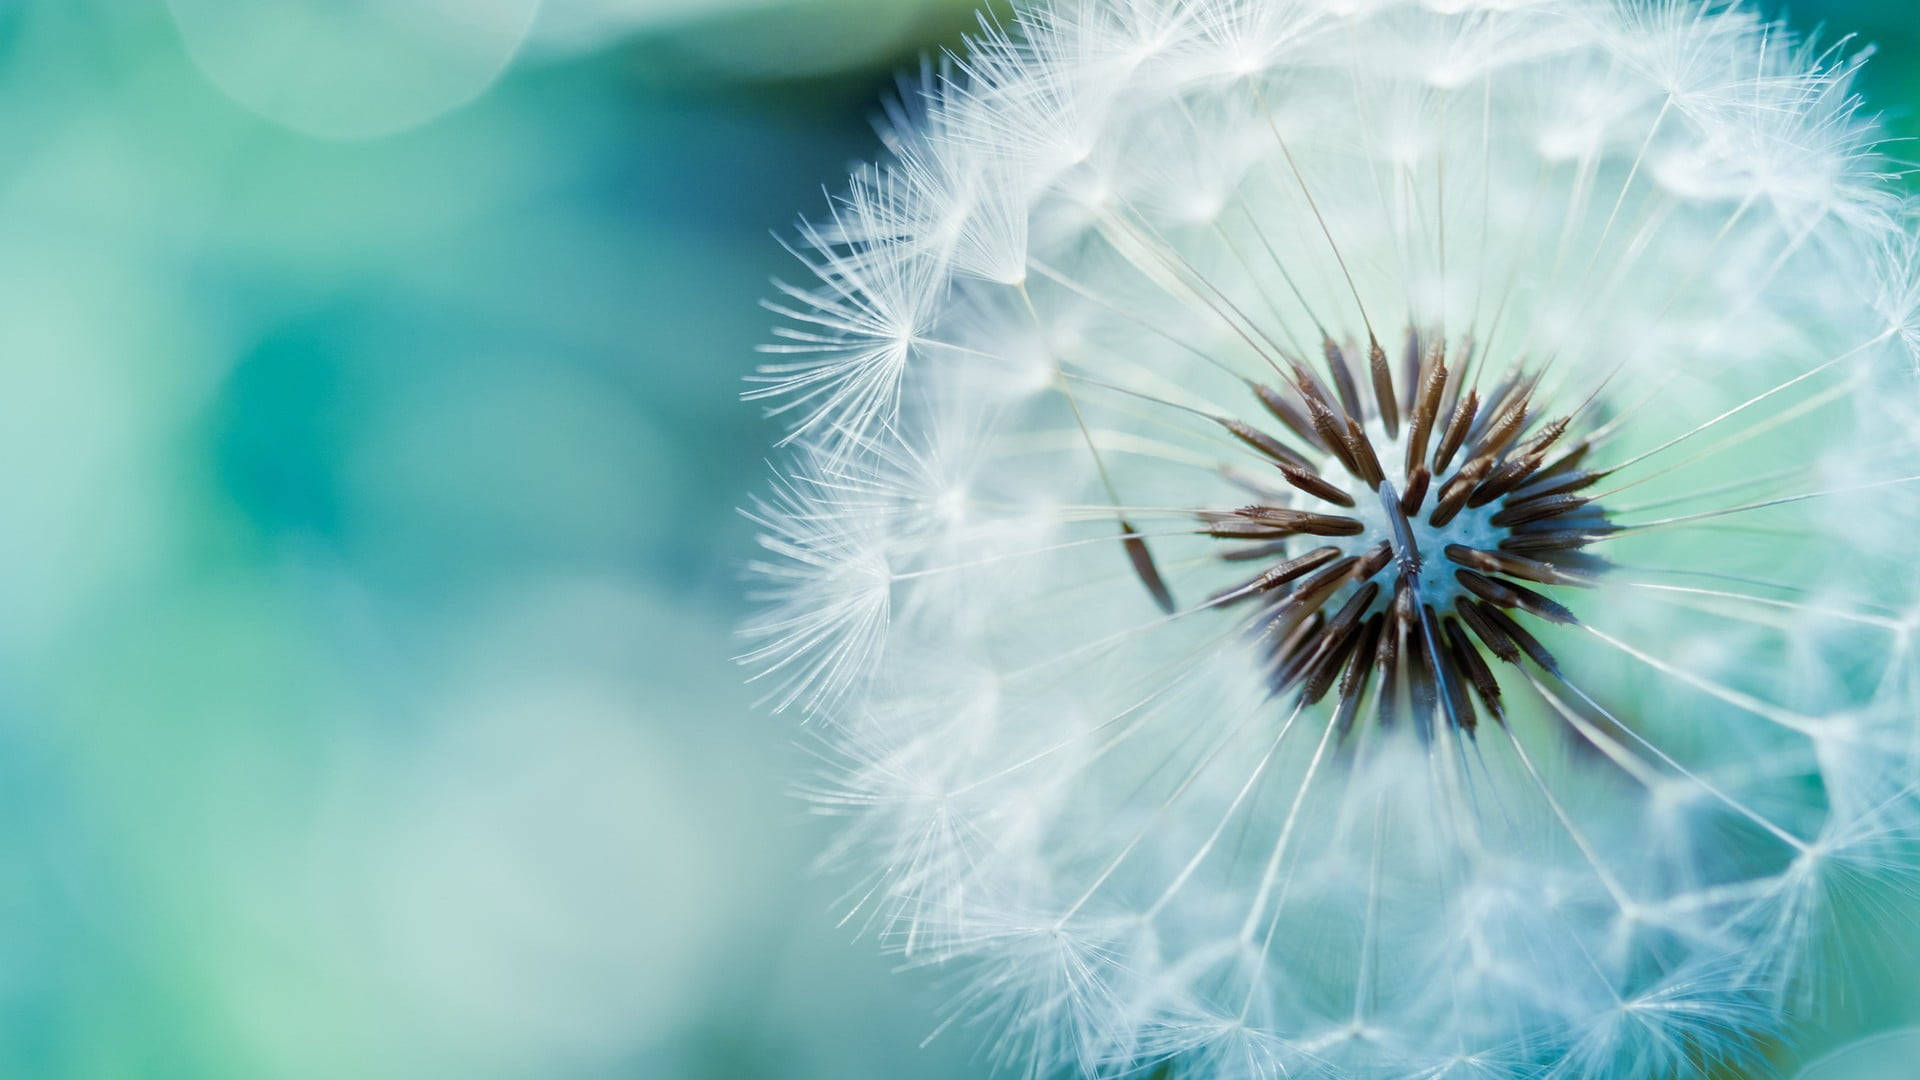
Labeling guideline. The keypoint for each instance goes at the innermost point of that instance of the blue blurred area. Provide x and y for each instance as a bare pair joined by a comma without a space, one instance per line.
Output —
369,708
371,398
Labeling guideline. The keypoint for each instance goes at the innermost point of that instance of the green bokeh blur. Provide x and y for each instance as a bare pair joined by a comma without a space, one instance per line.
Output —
369,557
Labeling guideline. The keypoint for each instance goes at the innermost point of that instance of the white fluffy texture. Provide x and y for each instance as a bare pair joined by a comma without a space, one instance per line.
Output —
1113,215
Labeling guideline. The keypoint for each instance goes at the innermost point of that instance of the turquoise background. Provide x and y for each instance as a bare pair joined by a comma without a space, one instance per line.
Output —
368,554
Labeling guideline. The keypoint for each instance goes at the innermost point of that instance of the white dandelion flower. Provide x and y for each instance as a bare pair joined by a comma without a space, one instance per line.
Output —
1363,538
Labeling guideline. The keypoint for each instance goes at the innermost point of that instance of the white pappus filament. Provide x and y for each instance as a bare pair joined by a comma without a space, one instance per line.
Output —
1361,538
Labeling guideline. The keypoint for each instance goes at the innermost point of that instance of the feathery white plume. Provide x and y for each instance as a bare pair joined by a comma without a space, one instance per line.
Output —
1362,538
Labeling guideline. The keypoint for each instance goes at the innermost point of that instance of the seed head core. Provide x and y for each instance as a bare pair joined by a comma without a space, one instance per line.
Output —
1441,531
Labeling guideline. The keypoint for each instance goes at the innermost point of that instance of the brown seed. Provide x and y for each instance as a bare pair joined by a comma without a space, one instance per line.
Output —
1542,485
1508,595
1458,377
1499,398
1306,597
1362,447
1317,676
1501,562
1314,484
1573,456
1277,575
1537,509
1299,522
1287,413
1297,641
1420,675
1332,433
1247,530
1554,540
1410,363
1460,421
1416,493
1541,443
1353,684
1303,521
1519,636
1468,660
1504,423
1372,561
1397,614
1433,379
1453,494
1452,681
1383,389
1488,631
1326,579
1500,431
1266,550
1339,637
1524,460
1343,383
1263,442
1504,478
1143,567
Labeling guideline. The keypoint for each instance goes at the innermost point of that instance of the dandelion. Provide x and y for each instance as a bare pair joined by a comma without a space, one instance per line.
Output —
1363,538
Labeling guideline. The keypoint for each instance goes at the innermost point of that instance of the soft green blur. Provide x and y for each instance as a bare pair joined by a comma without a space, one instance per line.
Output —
369,397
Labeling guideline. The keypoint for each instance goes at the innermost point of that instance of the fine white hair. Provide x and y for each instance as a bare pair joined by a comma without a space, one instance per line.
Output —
1131,407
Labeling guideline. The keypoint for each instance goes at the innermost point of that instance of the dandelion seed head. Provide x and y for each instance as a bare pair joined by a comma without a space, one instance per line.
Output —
1365,538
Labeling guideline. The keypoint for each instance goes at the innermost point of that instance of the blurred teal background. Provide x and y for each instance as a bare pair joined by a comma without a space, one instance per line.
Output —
368,400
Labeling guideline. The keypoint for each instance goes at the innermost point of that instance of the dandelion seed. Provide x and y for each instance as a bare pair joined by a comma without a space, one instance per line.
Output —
1367,538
